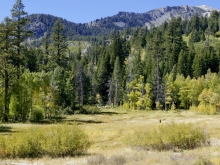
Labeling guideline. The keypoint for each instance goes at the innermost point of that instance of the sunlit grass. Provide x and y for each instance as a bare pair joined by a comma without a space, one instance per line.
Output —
107,133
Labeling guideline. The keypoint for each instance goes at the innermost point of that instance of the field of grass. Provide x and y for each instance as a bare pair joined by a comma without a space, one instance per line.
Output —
109,131
74,46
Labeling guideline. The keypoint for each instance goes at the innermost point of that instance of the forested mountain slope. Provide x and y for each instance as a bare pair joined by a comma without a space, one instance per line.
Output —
41,23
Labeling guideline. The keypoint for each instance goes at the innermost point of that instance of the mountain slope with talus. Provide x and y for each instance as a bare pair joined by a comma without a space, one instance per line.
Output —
41,23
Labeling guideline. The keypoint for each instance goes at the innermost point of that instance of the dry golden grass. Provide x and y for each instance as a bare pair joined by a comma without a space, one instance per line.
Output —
108,131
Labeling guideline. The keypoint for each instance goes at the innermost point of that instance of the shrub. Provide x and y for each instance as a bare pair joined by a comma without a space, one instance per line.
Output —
88,109
170,136
205,109
37,115
203,161
217,34
54,141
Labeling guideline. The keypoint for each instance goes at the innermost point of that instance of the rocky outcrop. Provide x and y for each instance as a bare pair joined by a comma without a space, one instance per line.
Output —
41,23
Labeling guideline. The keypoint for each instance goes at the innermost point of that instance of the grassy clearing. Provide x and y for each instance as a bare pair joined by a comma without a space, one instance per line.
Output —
107,133
74,46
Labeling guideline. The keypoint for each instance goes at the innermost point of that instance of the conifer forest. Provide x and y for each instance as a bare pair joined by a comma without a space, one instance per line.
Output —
173,66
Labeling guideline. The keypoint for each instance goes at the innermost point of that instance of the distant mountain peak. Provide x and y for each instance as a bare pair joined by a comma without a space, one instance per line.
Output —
206,8
41,23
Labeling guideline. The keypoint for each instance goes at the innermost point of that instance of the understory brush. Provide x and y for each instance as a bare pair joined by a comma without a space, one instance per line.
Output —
88,109
170,137
205,109
54,141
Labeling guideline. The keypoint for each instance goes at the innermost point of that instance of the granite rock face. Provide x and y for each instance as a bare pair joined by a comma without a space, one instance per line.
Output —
41,23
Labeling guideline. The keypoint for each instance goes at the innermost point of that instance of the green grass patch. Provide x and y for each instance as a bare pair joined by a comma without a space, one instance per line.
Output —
74,45
54,141
170,137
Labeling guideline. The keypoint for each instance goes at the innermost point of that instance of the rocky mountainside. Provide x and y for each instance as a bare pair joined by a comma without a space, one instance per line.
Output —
41,23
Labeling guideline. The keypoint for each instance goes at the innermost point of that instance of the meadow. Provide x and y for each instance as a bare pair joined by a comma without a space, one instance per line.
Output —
112,132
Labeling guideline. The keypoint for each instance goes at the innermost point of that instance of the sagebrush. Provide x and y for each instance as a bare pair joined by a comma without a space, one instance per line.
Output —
170,136
54,141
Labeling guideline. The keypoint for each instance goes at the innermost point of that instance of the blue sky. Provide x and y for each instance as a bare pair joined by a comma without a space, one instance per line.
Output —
81,11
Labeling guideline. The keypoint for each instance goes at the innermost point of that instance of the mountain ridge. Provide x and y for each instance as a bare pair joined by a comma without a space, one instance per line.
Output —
41,23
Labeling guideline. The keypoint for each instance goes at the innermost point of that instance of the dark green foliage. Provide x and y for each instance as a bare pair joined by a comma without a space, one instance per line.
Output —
213,22
173,43
103,75
19,21
88,109
59,46
6,66
217,34
182,63
117,83
37,115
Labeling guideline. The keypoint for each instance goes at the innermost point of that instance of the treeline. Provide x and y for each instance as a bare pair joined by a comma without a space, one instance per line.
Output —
135,68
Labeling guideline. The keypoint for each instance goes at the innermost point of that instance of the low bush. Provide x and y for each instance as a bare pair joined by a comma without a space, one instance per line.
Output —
203,161
170,137
217,34
205,109
38,115
88,109
54,141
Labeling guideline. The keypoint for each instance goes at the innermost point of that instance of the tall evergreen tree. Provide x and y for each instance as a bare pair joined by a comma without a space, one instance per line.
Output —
213,21
103,75
117,81
173,43
156,49
20,20
59,46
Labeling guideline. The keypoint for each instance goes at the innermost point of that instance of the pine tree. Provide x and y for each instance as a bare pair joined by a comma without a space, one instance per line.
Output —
157,52
213,22
173,43
197,66
182,62
137,69
103,75
80,83
59,46
117,82
190,59
195,22
19,20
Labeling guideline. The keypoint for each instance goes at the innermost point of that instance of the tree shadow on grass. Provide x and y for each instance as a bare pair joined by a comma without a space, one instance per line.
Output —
5,129
79,122
53,120
111,113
